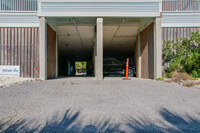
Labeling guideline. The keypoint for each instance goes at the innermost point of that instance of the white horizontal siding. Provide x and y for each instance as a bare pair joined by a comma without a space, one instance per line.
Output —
19,20
97,8
181,19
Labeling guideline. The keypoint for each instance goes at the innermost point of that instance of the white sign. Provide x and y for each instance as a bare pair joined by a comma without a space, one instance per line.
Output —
10,71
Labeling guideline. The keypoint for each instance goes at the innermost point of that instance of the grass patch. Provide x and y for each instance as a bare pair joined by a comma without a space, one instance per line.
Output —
16,83
160,79
195,79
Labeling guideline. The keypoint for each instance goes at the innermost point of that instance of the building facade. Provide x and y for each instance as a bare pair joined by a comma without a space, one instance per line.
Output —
40,36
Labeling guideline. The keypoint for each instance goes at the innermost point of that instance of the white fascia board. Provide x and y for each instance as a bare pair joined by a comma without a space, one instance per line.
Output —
180,13
100,1
99,14
189,23
18,13
180,25
19,25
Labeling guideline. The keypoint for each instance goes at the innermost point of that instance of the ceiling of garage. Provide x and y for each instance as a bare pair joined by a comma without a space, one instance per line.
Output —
76,36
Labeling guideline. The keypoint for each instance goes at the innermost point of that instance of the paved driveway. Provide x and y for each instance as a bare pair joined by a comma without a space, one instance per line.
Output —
112,105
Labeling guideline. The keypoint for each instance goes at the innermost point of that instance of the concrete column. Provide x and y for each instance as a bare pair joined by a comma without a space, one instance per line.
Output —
43,49
94,57
157,48
139,70
99,50
56,56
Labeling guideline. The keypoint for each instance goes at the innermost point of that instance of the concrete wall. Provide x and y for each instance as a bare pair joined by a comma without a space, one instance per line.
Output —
51,53
147,52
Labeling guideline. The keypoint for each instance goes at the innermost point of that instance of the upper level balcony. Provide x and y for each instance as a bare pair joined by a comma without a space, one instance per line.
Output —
18,5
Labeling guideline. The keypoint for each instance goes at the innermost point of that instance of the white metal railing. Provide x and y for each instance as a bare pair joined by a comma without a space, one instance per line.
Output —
181,5
18,5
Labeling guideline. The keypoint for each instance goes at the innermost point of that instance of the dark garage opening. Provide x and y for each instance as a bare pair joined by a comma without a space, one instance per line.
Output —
75,46
120,36
76,41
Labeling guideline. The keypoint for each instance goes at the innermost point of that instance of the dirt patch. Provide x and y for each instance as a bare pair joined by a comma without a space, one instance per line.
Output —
183,79
192,83
180,77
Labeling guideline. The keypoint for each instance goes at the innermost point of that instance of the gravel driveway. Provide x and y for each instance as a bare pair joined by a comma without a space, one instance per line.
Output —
87,105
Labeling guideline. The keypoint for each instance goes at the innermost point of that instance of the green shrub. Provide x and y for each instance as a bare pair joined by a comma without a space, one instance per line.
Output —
174,66
183,55
195,74
169,75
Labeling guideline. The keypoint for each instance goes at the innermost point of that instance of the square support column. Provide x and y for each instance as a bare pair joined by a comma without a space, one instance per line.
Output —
99,50
138,69
157,48
43,49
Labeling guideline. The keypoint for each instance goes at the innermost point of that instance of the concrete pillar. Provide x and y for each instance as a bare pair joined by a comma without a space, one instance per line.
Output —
139,70
94,57
43,49
157,48
56,56
99,50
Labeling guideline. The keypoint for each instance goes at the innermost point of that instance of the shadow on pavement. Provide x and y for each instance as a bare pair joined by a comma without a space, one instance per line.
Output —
68,124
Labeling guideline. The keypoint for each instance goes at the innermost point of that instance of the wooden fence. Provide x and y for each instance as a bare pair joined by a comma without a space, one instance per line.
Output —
174,33
20,46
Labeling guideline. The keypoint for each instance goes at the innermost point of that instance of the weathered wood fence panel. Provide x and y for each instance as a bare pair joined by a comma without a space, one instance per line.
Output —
147,52
177,33
51,45
20,46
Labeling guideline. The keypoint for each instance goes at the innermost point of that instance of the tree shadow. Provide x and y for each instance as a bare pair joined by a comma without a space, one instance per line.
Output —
66,124
69,123
173,123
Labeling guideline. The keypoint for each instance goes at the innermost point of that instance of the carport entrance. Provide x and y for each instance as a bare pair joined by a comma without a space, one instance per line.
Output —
76,38
119,43
92,39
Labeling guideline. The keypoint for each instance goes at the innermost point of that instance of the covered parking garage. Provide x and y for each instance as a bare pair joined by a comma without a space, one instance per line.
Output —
91,36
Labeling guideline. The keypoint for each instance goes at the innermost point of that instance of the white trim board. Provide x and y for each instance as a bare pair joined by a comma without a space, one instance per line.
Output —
19,20
15,25
99,14
99,1
181,19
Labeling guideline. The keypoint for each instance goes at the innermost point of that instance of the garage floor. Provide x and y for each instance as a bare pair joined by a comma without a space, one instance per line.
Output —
111,105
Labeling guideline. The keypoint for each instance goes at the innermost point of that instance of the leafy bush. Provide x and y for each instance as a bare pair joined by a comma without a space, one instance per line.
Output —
169,75
183,55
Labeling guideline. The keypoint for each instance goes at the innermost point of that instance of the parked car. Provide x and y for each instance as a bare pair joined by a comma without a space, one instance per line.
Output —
114,66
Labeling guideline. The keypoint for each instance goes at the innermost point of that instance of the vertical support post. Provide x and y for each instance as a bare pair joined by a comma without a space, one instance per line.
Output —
56,56
139,70
43,49
99,50
157,48
94,57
